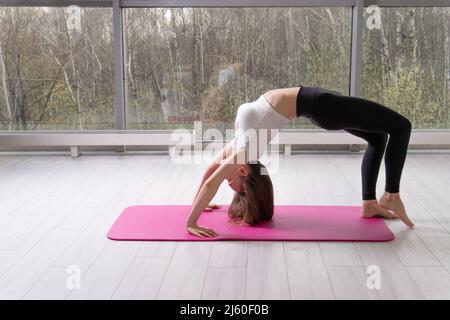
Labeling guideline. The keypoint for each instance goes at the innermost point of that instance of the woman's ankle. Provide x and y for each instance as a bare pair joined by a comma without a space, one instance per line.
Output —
369,202
391,196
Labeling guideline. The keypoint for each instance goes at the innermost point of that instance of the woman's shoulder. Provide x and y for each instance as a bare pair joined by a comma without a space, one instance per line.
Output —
245,111
242,106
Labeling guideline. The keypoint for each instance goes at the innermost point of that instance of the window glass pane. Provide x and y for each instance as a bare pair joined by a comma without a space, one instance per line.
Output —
406,63
56,68
186,64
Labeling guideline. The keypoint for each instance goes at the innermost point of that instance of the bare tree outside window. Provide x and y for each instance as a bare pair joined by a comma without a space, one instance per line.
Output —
406,64
53,77
187,64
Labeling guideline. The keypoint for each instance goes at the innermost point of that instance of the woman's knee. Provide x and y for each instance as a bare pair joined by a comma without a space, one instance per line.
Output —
406,125
409,125
401,124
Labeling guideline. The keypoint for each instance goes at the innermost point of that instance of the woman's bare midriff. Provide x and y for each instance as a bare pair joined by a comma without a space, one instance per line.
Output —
284,101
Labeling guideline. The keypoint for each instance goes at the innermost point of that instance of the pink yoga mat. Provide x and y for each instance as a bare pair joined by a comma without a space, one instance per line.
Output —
296,223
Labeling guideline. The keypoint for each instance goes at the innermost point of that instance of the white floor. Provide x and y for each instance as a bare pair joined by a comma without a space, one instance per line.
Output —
55,212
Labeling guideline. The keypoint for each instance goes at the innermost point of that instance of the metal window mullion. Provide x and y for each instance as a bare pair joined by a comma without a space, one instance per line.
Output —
119,79
356,49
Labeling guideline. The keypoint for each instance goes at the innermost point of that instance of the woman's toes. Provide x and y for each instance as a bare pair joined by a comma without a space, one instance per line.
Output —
400,211
406,219
387,214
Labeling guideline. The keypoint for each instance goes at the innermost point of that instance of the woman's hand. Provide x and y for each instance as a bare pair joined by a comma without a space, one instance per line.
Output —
210,207
201,232
208,190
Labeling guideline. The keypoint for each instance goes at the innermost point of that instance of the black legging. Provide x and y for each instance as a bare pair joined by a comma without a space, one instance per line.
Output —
366,119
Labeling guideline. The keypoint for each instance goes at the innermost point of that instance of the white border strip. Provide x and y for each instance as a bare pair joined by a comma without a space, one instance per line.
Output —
289,136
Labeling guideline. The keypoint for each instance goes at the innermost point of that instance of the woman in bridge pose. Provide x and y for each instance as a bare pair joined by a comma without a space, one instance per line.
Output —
238,161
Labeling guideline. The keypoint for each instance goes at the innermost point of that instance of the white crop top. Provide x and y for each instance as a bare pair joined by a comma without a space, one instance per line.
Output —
256,124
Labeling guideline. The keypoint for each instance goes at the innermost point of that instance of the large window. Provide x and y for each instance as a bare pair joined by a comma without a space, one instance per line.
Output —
406,64
56,68
187,64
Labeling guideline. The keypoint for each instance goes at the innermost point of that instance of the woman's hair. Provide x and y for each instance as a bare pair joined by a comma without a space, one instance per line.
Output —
255,201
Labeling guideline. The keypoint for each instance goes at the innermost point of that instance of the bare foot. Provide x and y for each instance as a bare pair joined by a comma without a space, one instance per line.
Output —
392,201
371,209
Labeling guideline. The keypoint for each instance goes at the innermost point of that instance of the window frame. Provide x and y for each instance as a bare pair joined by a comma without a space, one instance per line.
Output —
119,44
